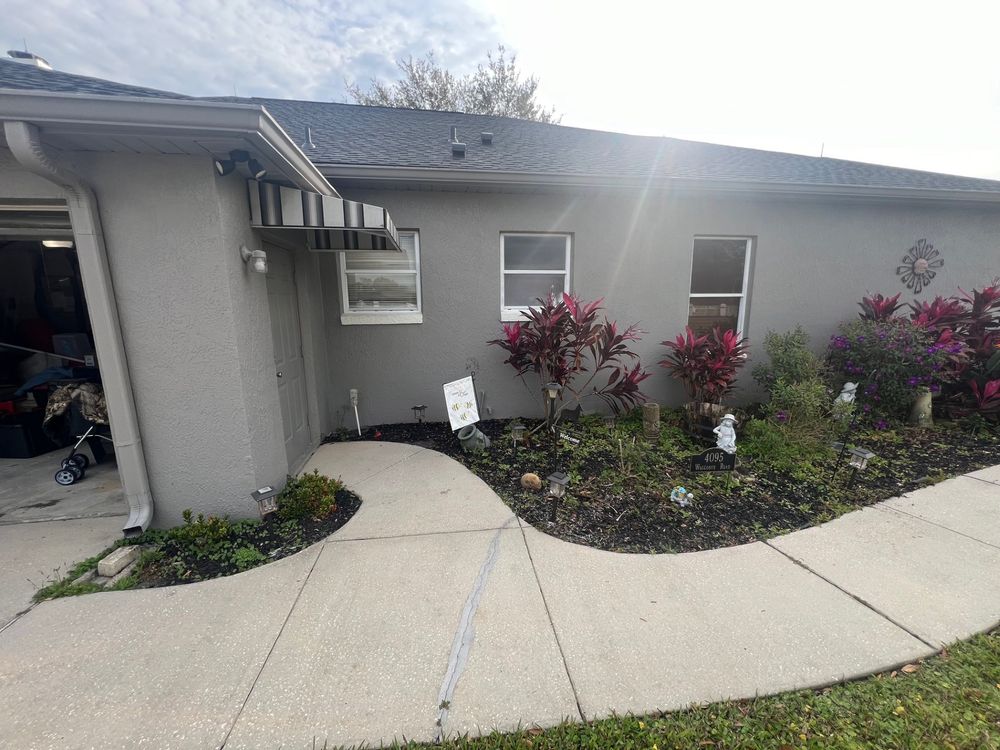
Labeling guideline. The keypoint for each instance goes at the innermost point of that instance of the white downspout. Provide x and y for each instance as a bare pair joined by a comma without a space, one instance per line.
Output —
24,142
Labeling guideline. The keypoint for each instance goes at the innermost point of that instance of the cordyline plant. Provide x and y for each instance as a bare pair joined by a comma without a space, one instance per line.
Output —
563,341
707,364
878,307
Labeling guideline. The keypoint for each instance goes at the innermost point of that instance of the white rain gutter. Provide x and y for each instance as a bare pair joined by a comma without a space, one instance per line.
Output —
460,178
25,144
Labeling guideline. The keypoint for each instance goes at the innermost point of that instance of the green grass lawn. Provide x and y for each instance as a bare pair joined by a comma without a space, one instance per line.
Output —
949,701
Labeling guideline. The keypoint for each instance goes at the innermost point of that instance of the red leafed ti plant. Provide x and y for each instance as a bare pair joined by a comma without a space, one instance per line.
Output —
878,307
563,341
706,365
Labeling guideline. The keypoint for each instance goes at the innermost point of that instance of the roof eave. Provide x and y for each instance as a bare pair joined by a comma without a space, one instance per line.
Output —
55,112
481,178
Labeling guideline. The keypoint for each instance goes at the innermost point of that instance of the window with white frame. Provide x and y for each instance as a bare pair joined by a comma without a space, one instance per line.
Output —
720,269
382,286
532,266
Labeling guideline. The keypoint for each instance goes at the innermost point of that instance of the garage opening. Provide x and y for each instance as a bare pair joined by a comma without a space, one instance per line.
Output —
50,381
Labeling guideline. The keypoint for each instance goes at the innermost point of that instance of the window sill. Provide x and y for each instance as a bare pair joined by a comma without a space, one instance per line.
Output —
512,316
385,318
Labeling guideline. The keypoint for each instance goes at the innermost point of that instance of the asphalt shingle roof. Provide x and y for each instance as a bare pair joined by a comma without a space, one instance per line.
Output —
16,75
350,134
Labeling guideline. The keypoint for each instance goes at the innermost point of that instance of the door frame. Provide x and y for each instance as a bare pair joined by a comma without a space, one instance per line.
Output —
300,279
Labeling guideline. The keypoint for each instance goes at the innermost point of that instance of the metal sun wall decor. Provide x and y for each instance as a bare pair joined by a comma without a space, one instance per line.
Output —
920,265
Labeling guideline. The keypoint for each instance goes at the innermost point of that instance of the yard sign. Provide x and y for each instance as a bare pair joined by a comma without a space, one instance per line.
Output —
460,401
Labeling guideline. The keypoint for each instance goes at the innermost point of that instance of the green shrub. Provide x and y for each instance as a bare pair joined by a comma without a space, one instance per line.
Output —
780,447
309,496
245,558
201,532
791,359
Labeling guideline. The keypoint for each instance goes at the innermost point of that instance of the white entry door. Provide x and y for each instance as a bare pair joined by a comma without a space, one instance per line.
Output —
289,367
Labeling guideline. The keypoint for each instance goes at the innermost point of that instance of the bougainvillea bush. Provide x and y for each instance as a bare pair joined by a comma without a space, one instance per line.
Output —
706,365
563,341
891,358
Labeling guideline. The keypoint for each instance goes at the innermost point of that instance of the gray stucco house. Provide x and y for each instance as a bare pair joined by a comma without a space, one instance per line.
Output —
396,242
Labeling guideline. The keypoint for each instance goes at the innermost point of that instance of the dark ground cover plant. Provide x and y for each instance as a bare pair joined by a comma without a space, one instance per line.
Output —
562,340
950,701
618,496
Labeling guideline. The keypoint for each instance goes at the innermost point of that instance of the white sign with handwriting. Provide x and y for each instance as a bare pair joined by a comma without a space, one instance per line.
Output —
460,400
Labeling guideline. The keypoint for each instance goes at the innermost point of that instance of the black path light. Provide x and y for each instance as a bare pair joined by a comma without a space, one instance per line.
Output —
419,411
267,500
517,435
557,491
858,461
609,421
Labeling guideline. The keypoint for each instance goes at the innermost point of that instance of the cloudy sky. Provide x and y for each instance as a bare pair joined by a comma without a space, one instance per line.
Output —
905,83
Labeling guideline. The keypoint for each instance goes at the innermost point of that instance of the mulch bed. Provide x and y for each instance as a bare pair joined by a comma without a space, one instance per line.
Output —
273,537
624,506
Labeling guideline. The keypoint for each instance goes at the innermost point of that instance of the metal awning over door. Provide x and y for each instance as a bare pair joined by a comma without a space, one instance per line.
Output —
331,224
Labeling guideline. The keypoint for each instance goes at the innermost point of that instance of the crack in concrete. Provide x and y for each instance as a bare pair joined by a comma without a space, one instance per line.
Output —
855,597
887,509
465,635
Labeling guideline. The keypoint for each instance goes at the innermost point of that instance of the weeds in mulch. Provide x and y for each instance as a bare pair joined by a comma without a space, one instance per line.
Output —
620,483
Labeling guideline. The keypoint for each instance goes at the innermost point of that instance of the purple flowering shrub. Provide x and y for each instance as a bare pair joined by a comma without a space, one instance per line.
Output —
893,357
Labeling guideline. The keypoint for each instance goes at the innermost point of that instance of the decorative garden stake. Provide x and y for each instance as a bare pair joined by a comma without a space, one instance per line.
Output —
651,420
557,490
267,500
726,432
418,412
859,458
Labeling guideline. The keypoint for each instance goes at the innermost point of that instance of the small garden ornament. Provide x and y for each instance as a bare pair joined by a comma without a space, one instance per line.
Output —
680,497
848,393
531,481
726,432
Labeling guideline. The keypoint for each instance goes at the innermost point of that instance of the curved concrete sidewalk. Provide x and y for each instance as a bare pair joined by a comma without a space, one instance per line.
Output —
435,610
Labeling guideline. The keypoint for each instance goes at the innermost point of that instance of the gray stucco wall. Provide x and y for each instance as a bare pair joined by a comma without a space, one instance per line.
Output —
195,325
814,259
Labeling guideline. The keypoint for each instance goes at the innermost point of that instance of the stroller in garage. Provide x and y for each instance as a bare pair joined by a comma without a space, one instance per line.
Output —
77,412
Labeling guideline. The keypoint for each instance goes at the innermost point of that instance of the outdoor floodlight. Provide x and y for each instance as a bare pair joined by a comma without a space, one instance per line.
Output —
224,166
267,500
256,170
256,258
557,484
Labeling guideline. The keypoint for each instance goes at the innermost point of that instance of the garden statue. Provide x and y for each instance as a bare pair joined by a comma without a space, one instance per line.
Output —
726,432
848,393
681,497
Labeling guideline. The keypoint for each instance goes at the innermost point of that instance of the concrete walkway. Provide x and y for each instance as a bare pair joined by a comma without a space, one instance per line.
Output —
434,610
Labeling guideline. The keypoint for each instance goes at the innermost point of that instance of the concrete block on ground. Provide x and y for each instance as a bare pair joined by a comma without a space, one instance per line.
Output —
117,560
367,649
425,493
989,474
968,506
940,585
643,633
174,665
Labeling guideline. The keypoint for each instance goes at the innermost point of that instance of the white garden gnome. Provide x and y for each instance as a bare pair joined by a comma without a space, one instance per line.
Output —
726,432
847,393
